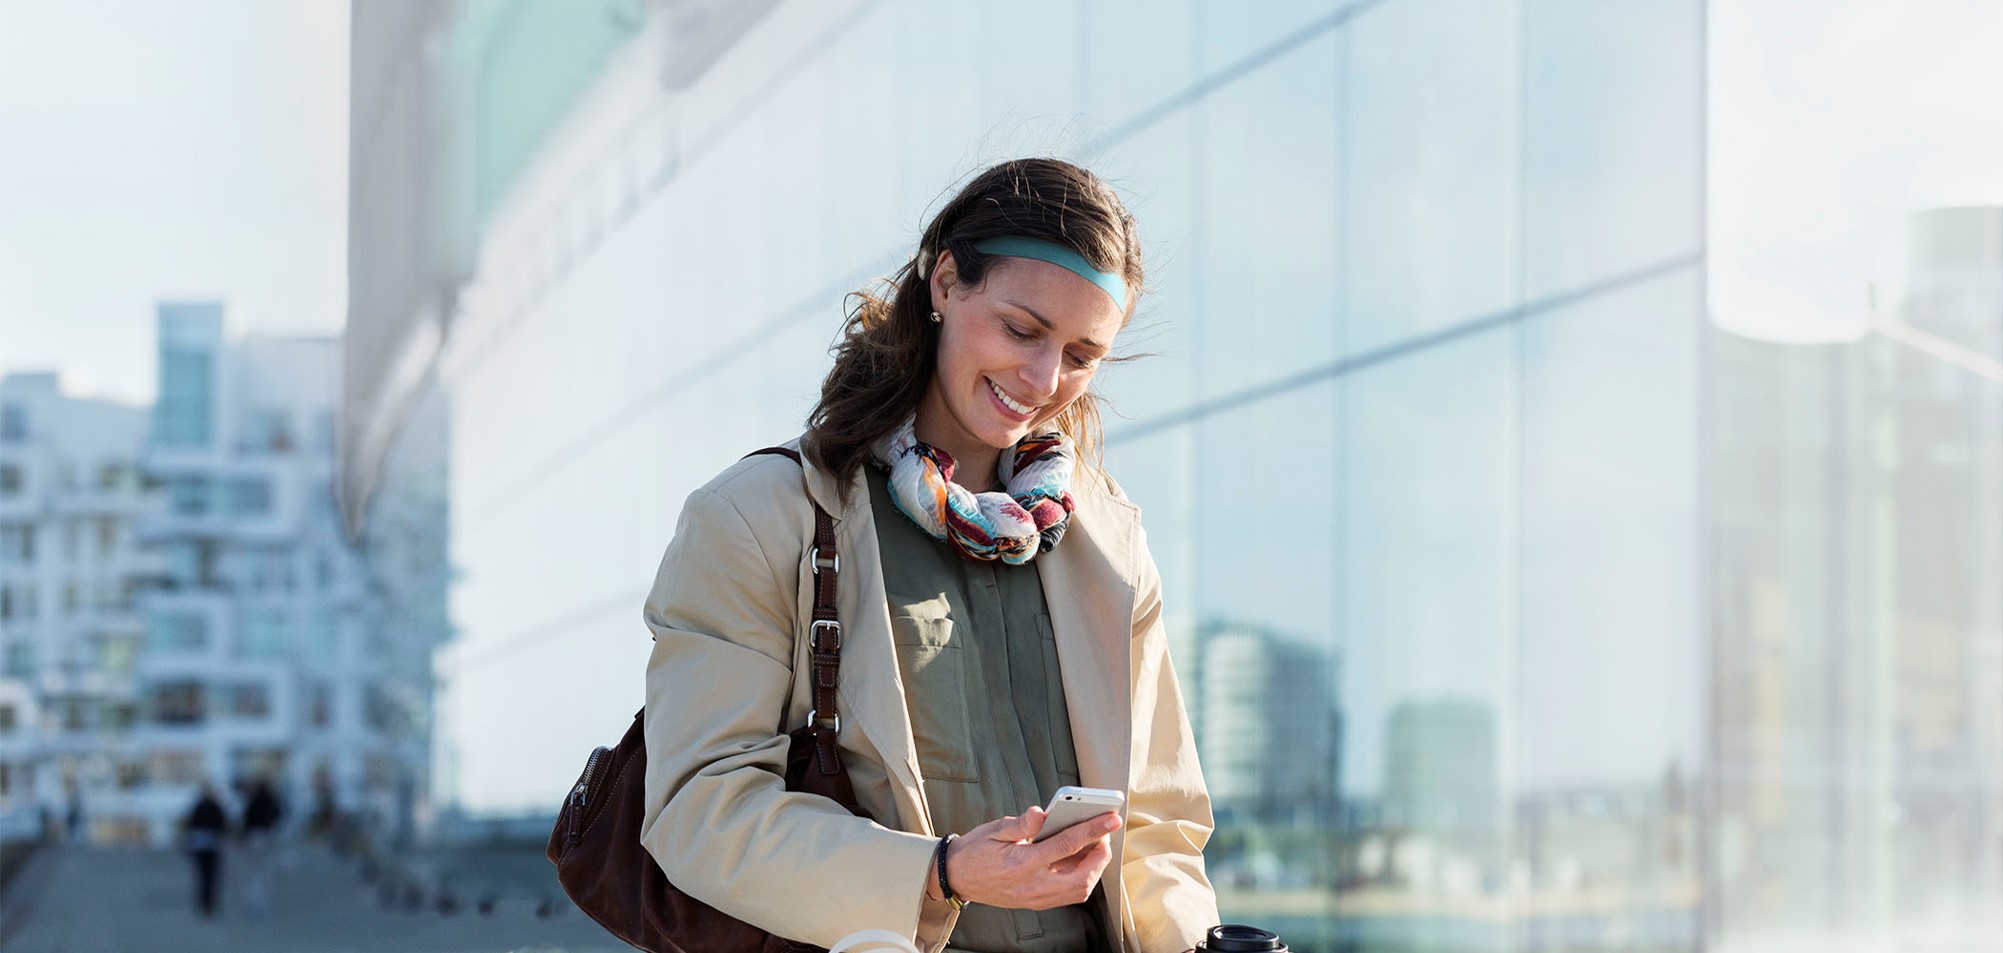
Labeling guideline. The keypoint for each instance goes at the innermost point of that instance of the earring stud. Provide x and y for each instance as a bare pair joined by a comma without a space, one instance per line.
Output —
936,318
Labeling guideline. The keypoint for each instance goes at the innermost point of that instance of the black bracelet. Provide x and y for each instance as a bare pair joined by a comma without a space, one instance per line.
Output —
939,856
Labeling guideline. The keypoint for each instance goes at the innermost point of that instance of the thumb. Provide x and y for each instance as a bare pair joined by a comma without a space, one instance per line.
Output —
1023,826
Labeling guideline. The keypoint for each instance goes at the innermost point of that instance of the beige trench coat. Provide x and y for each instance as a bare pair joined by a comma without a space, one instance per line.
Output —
728,680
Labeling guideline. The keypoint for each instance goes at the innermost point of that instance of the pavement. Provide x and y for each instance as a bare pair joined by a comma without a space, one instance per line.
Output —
81,900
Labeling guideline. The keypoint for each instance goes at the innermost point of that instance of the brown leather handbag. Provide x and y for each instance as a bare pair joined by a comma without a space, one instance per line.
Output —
596,843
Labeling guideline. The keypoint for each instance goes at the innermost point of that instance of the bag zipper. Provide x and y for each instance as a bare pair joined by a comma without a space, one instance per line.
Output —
581,794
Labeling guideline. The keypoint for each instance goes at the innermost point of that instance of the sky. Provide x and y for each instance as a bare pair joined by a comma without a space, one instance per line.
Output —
160,150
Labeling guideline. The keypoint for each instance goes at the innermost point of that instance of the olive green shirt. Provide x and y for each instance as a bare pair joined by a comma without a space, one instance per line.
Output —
979,665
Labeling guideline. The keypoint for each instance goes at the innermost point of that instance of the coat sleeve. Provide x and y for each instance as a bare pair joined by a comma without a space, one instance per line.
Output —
1170,902
719,820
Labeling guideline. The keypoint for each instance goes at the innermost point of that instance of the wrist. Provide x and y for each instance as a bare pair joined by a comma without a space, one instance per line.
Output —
940,884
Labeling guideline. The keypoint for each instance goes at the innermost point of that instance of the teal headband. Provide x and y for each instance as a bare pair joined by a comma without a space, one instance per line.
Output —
1016,246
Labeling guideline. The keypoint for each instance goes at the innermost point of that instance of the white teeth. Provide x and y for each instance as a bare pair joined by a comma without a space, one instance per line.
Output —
1010,404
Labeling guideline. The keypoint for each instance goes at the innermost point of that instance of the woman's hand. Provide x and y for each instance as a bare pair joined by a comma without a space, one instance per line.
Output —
996,864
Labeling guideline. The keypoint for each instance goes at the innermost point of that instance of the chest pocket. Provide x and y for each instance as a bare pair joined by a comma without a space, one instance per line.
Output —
932,662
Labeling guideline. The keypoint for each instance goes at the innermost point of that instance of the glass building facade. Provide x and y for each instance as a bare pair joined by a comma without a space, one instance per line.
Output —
1517,606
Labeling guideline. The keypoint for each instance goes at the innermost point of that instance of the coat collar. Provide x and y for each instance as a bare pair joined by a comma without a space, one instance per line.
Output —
825,488
1090,589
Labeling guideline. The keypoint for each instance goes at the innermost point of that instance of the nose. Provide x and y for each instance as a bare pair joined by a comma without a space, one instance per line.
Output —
1040,374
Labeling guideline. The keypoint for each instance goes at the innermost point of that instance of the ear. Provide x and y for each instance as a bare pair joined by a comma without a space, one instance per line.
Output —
945,278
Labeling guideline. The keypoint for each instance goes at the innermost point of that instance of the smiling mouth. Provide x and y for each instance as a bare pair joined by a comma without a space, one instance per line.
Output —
1019,409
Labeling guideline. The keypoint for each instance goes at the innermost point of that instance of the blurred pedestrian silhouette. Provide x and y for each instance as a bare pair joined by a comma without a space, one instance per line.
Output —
261,813
73,821
205,844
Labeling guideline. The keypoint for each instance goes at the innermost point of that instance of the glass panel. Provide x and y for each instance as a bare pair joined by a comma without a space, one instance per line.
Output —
1263,659
181,414
1233,35
528,63
1030,64
1431,178
1609,741
1266,227
250,701
1427,574
179,703
17,545
266,634
249,496
189,496
13,423
1136,54
1613,146
176,631
20,661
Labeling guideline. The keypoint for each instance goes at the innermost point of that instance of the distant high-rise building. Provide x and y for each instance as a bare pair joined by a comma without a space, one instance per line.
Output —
1264,712
184,415
1440,766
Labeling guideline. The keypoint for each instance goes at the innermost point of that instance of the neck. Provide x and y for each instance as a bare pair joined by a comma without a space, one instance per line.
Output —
974,462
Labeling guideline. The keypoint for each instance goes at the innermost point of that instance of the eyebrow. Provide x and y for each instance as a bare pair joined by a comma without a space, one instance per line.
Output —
1048,325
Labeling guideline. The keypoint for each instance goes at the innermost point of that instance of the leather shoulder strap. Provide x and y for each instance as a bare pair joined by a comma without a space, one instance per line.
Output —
825,634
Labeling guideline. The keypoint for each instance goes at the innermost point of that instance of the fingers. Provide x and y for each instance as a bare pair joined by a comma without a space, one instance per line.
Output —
1080,836
1072,879
999,864
1093,858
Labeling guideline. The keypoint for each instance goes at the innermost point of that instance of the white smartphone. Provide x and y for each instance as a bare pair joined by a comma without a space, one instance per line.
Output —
1070,805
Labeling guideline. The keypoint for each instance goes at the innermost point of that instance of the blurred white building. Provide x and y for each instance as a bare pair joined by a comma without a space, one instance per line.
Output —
181,604
70,497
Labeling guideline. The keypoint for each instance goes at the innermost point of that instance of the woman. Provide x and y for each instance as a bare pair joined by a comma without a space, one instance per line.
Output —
1002,620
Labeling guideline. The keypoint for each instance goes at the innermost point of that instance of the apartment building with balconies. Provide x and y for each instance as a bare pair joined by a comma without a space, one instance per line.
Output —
179,605
71,496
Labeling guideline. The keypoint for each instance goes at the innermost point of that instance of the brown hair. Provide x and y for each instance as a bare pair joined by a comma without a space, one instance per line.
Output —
888,349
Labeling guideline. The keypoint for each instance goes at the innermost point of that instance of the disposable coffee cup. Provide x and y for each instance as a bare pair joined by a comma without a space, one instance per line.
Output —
1239,938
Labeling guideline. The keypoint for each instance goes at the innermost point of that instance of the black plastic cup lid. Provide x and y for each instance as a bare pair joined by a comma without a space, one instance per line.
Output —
1238,938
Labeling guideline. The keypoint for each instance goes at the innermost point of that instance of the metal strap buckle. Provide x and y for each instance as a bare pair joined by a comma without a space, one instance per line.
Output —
814,719
814,635
833,562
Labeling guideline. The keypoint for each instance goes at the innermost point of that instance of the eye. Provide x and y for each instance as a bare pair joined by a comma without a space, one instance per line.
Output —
1080,361
1017,333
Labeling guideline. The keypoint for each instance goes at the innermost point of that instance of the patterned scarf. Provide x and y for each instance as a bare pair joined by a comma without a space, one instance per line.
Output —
1014,525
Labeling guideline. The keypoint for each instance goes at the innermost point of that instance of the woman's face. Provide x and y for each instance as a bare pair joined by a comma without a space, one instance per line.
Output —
1015,350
